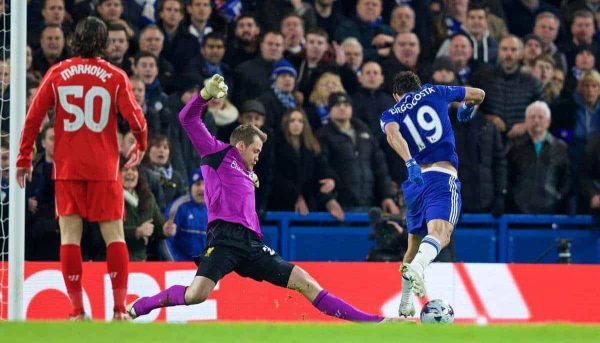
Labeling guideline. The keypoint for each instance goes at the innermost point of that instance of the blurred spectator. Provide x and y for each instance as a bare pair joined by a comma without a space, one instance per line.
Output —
368,27
484,47
271,13
145,66
152,117
210,60
521,14
111,12
402,19
31,87
582,31
450,22
328,16
316,108
143,219
482,165
460,52
292,29
52,48
118,45
190,215
53,12
533,48
370,99
180,46
184,157
31,73
558,80
223,112
315,54
546,27
254,75
42,226
203,20
540,175
508,91
244,46
357,162
157,163
404,56
5,94
589,177
543,70
353,51
302,177
281,95
585,61
152,40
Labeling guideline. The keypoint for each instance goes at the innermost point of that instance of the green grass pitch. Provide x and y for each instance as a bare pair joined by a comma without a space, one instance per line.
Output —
90,332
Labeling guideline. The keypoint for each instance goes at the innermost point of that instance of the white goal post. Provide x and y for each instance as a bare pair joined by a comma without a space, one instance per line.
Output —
16,231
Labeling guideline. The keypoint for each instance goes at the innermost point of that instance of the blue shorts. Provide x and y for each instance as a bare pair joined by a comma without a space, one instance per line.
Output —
438,198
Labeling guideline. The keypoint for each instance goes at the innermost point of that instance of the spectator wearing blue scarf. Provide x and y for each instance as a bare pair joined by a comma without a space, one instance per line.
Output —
281,95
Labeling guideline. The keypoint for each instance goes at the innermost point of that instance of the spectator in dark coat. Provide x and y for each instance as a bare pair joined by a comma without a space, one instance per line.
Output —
152,40
589,180
540,175
404,56
118,45
52,48
145,66
253,77
370,100
244,46
210,60
360,170
272,12
301,176
509,91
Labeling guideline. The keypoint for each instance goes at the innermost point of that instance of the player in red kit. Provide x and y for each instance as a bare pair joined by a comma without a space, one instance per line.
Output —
86,93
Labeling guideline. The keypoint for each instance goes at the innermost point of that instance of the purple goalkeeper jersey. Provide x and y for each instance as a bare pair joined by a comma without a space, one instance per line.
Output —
228,184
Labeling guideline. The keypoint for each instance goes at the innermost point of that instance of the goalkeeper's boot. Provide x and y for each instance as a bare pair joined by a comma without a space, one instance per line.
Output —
416,276
131,309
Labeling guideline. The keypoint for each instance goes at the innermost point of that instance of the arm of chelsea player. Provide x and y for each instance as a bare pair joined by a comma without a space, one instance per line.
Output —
191,121
473,96
396,141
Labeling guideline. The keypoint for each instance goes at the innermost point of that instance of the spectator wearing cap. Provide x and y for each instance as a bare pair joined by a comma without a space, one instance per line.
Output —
210,61
443,72
252,78
253,112
357,162
370,100
281,95
184,157
190,215
533,47
508,90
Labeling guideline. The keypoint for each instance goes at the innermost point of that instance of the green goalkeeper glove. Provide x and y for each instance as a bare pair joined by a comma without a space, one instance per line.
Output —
214,88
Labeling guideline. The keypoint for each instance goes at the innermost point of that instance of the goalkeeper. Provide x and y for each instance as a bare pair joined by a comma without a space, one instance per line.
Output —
234,238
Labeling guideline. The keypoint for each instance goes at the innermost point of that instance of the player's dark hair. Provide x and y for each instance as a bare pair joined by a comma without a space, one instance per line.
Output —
90,38
405,82
141,189
246,133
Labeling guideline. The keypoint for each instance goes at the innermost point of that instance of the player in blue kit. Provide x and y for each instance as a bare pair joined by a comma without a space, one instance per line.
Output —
418,129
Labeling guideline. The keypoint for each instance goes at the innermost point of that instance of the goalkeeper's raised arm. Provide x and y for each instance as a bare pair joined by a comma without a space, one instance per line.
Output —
191,116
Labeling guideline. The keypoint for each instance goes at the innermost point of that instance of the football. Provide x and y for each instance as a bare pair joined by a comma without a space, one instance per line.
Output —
437,311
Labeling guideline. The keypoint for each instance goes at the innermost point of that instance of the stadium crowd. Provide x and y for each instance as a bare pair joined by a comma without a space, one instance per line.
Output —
315,76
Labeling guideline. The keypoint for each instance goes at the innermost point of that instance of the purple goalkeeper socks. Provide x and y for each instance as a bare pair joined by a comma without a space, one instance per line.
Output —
336,307
172,296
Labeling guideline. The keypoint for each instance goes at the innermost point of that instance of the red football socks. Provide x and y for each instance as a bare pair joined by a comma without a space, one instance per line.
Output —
117,262
70,260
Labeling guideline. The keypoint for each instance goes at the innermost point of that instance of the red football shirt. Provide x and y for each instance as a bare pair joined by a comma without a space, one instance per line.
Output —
87,94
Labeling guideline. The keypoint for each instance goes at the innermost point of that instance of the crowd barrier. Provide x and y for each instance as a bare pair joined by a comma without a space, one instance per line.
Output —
477,237
480,293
